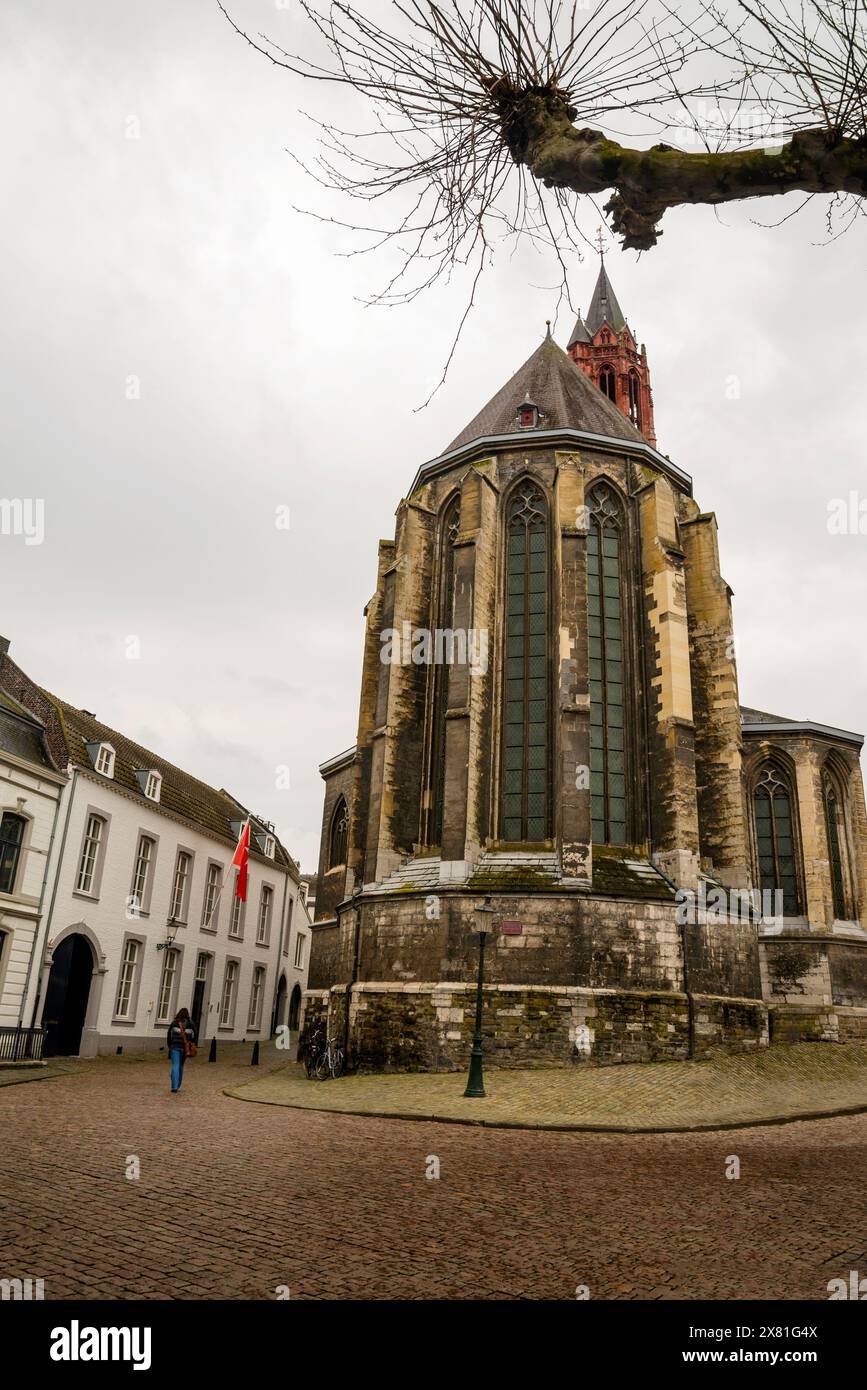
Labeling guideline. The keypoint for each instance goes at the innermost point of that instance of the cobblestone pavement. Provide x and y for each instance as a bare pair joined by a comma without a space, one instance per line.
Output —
249,1197
807,1079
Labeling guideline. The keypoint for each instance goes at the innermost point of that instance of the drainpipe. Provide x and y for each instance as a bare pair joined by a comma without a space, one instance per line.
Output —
49,914
279,954
356,951
690,1002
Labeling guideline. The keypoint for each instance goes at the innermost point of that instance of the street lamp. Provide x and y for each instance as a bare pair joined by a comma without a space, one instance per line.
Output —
475,1080
171,933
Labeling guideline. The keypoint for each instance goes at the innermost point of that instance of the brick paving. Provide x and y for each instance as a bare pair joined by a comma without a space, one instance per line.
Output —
777,1083
250,1197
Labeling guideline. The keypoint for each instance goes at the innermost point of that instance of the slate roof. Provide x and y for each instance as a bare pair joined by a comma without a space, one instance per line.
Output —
567,398
757,716
603,306
22,734
181,794
579,332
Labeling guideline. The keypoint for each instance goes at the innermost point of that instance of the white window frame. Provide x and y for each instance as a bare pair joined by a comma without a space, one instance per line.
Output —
229,993
263,920
299,951
142,870
236,920
257,997
153,786
126,978
182,882
211,900
104,760
168,984
90,851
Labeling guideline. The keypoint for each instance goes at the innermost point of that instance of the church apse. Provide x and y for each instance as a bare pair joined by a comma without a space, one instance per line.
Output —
549,720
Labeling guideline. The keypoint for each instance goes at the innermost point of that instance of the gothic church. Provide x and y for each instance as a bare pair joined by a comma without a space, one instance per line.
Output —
568,749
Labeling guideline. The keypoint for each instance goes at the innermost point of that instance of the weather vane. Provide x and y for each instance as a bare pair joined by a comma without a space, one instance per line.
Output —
600,243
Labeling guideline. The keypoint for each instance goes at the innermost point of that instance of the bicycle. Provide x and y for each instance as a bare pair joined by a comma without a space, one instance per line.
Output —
322,1061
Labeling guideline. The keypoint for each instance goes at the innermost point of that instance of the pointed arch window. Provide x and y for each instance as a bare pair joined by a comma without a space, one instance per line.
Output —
605,642
451,526
834,824
773,809
635,400
607,382
338,835
526,724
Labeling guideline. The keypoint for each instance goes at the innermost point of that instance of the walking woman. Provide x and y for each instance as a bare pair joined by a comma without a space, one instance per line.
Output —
182,1044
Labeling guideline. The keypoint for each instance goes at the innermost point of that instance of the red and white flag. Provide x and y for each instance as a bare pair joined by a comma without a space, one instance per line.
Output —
242,858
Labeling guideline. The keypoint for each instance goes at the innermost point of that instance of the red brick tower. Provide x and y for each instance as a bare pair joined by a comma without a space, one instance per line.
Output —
603,346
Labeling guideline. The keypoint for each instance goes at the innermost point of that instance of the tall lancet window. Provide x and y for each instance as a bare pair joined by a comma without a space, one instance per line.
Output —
525,777
635,400
451,525
605,639
833,821
775,838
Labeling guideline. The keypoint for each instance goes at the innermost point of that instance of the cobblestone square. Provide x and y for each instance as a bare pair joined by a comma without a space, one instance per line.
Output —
251,1197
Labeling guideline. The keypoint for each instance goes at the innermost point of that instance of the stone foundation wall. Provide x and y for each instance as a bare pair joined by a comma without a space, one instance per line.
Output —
565,939
821,1023
806,969
429,1026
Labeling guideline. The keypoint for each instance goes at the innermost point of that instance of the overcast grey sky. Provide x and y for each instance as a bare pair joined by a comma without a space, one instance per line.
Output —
177,258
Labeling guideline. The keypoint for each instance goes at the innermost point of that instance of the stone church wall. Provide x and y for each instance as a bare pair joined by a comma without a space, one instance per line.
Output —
429,1026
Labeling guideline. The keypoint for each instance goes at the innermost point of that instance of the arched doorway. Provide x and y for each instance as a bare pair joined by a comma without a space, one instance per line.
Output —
66,996
295,1009
280,1005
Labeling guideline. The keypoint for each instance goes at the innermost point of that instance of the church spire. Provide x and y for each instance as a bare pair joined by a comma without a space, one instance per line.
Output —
604,348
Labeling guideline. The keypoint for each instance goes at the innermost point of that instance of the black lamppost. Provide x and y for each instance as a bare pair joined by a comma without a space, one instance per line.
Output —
476,1081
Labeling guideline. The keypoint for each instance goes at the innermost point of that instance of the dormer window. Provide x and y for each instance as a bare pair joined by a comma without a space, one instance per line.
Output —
103,759
267,844
527,415
605,336
150,782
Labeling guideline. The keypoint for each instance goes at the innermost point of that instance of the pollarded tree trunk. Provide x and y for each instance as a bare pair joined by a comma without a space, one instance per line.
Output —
537,127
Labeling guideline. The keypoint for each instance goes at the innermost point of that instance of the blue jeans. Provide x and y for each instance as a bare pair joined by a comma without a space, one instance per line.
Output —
177,1058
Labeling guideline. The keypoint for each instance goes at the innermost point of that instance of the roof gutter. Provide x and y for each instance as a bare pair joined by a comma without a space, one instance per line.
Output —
805,727
521,439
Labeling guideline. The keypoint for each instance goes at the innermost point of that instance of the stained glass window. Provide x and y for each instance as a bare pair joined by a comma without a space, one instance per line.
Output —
605,649
339,834
445,622
775,838
832,819
525,796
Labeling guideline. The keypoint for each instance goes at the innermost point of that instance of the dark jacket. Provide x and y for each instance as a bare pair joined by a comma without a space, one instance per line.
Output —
176,1032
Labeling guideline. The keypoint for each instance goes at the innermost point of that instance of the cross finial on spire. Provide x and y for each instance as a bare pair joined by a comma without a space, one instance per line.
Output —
600,243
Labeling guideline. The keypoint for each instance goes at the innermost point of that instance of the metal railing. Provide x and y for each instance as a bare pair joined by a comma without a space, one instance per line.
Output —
21,1044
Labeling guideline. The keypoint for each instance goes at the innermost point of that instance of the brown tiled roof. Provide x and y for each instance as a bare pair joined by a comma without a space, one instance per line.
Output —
181,794
567,398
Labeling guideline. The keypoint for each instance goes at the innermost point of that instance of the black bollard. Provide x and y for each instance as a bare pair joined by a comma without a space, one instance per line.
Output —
254,1060
212,1055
